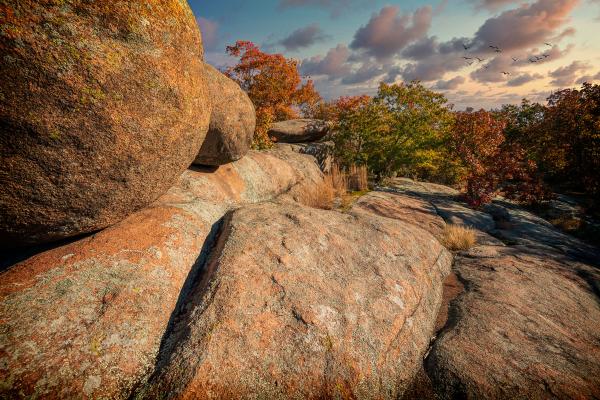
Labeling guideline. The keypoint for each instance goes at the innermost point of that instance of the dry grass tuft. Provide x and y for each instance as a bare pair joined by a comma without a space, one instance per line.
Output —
321,195
458,237
337,184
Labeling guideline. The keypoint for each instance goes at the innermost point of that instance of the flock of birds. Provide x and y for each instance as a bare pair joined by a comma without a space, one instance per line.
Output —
532,59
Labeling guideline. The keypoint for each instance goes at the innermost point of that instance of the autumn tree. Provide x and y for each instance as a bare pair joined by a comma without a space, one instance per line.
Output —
418,123
402,130
274,85
494,164
570,151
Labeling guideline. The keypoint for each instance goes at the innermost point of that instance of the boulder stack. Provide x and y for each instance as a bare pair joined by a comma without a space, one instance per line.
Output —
102,106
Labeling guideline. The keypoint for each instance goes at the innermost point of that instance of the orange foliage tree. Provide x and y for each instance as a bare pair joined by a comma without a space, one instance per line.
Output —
274,85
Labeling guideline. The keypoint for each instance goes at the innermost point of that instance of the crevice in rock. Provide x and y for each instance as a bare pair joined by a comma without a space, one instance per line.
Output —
196,295
455,286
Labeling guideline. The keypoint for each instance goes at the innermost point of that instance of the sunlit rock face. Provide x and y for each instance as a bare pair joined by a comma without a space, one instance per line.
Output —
102,106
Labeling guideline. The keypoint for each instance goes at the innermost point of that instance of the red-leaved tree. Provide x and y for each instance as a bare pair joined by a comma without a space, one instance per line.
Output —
273,83
493,164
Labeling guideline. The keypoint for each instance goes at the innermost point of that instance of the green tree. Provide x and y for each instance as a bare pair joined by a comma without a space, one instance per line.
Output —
404,129
418,122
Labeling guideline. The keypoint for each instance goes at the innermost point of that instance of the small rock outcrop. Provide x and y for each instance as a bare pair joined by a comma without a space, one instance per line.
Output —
299,130
102,107
87,319
322,152
232,121
304,303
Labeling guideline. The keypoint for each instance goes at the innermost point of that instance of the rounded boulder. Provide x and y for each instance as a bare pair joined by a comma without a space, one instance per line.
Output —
102,106
232,121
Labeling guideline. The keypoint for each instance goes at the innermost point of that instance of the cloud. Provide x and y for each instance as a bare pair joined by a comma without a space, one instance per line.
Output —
588,78
336,7
209,30
491,5
565,76
365,73
525,26
429,60
303,37
522,79
491,71
388,32
334,65
449,84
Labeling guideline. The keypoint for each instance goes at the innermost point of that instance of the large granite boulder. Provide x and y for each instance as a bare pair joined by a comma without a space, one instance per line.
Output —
298,130
300,303
232,121
102,106
86,320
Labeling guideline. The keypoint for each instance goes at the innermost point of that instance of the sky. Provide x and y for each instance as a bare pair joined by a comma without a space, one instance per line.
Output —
348,46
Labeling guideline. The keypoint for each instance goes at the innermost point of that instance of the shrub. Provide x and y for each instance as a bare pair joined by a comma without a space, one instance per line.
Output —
458,237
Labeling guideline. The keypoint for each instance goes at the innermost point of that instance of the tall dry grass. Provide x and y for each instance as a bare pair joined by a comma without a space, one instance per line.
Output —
339,180
458,237
338,183
321,195
358,178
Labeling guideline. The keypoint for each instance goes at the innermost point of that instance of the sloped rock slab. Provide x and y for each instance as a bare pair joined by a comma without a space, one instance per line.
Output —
299,303
527,327
87,319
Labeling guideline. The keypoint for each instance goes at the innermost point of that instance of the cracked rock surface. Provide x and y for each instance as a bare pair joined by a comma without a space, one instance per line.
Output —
87,319
305,303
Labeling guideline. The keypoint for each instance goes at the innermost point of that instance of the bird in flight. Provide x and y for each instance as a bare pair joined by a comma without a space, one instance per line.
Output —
467,58
546,55
480,59
548,44
515,59
466,47
505,73
470,63
496,49
532,60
